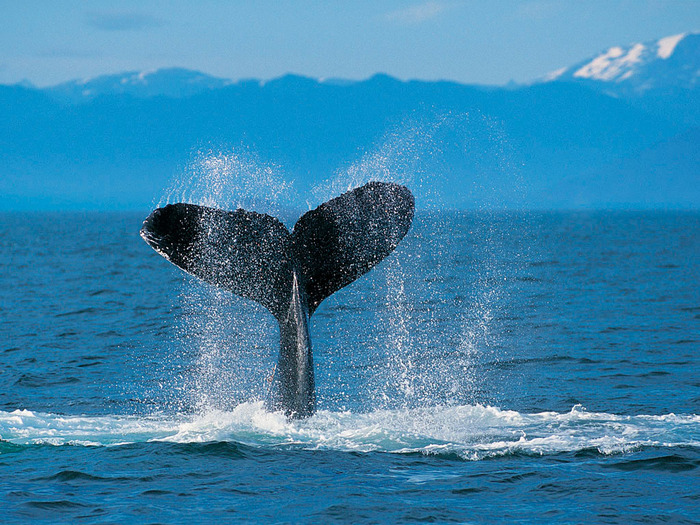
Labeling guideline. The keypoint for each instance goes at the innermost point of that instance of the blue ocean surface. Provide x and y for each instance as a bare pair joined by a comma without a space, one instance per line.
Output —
498,367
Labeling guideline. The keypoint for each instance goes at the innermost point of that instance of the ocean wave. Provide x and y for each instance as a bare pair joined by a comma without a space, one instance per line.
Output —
468,431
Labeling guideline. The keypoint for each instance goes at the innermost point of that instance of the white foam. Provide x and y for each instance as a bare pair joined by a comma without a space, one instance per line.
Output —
471,431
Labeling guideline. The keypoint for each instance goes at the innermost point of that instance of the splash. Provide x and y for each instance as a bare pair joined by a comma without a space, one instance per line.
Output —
230,180
447,159
235,342
401,361
419,357
399,157
233,339
472,432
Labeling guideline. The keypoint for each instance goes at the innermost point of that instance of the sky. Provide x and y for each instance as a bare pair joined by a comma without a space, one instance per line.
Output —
476,42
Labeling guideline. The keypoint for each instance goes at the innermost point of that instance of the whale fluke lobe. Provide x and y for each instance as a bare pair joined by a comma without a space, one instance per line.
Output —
244,252
254,255
346,237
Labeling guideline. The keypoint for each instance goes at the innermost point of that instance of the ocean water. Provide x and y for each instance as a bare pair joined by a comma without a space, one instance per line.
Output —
522,367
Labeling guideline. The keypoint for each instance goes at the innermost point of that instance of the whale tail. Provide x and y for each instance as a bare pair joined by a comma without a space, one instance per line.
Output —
254,255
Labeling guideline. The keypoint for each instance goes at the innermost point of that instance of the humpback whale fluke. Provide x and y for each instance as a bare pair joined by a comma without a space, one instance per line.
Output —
254,255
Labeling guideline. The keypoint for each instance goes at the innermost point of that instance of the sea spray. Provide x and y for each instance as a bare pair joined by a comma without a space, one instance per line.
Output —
235,340
229,180
403,155
405,371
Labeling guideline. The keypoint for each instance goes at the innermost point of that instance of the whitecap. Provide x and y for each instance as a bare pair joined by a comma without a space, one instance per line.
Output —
469,431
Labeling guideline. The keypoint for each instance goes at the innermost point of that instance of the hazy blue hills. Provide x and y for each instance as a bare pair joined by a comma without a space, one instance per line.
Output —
171,82
118,141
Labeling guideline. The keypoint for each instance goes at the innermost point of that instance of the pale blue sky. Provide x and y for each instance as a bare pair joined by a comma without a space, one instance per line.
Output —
483,42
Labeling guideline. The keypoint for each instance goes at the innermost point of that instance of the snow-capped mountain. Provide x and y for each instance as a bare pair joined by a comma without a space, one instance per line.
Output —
171,82
672,62
620,129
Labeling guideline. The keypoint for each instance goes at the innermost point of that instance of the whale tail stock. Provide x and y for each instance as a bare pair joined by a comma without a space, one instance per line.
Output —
290,273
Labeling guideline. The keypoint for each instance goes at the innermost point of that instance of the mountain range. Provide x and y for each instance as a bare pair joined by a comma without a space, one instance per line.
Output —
619,130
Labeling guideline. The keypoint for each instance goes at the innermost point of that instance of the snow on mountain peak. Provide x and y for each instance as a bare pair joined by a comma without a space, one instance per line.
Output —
554,74
613,64
169,82
672,62
668,44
